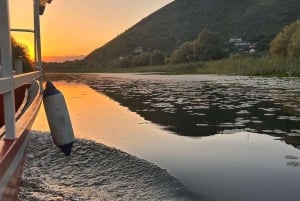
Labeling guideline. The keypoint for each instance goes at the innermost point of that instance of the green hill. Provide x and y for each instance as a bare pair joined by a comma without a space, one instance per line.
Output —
182,20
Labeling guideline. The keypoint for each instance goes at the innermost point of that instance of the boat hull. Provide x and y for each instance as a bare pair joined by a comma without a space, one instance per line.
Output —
12,151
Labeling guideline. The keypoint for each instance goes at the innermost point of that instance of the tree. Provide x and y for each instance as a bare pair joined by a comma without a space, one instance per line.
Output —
142,60
21,51
293,48
122,62
287,42
208,46
157,58
183,54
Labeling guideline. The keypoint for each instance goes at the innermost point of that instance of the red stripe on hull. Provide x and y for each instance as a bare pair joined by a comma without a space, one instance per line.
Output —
19,97
9,149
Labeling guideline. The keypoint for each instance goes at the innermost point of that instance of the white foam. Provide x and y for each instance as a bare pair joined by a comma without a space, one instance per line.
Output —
93,172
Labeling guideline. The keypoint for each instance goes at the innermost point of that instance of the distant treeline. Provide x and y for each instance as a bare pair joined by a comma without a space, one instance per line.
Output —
208,46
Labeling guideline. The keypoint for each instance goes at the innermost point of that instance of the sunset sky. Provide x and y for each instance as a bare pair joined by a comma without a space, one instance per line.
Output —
71,28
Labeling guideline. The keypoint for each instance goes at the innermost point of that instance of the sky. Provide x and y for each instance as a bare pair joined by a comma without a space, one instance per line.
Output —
73,28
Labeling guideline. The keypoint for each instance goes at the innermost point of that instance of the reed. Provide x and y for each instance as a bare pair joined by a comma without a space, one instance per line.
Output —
235,65
252,66
238,65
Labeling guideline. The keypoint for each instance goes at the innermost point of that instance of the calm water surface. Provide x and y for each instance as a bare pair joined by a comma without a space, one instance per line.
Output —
226,138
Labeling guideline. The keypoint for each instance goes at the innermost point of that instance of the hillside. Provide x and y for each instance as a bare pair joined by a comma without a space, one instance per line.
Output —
182,20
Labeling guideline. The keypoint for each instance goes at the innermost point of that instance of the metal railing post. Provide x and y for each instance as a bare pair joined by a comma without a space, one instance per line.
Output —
18,65
6,58
37,32
37,39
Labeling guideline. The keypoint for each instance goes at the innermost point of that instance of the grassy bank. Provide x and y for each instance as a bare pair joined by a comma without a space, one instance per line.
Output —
259,66
239,65
250,66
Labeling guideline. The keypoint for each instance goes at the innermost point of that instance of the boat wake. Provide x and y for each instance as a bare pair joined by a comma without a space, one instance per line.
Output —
93,172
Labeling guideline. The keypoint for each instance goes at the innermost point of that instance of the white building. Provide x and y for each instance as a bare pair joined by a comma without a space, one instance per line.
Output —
235,40
138,50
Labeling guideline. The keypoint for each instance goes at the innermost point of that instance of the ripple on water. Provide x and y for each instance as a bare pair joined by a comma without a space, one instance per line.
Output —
269,114
277,131
198,114
294,118
283,117
267,131
295,131
242,121
196,107
162,105
269,109
243,112
261,101
169,110
202,124
257,121
227,125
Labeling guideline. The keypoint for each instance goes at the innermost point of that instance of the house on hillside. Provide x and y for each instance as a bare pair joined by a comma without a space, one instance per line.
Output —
239,46
242,44
235,40
138,50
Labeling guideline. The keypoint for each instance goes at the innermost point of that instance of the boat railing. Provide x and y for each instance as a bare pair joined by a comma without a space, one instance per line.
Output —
7,86
8,81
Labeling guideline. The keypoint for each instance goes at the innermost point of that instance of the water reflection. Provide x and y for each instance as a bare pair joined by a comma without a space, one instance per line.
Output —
292,140
206,105
228,163
95,116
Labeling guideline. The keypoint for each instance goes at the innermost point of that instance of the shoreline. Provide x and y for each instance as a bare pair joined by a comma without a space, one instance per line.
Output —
93,172
235,65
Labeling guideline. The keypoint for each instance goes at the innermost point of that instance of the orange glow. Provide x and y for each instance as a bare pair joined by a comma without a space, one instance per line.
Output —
26,40
76,27
95,116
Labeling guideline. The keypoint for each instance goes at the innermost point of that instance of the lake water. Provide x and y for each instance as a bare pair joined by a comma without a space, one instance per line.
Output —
224,137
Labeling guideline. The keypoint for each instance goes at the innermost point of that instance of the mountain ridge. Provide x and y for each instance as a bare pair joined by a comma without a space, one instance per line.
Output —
182,20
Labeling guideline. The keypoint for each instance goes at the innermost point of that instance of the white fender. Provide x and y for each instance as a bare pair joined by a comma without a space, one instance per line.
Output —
58,118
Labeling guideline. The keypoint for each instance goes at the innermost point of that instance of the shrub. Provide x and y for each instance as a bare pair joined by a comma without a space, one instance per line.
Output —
287,42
